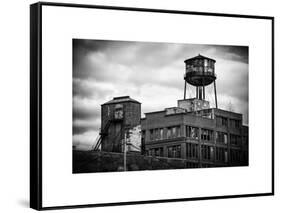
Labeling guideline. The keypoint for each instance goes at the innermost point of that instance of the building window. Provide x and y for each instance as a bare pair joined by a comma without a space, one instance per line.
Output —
235,140
192,150
156,134
192,132
235,156
173,132
221,154
161,131
235,123
245,141
151,135
207,152
159,152
221,121
174,151
221,137
176,131
169,132
206,134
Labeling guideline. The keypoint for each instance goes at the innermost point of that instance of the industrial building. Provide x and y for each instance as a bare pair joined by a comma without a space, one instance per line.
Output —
202,135
205,138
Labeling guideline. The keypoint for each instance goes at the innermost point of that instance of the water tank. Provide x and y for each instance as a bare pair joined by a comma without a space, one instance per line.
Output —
118,116
200,71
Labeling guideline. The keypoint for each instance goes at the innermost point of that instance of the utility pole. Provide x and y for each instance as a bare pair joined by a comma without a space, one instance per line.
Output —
126,143
125,150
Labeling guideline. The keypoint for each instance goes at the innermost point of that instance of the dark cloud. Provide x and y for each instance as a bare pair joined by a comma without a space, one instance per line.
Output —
77,130
86,89
79,112
235,53
81,126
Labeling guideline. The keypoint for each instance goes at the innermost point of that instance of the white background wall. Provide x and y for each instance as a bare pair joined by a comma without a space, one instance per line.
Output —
14,107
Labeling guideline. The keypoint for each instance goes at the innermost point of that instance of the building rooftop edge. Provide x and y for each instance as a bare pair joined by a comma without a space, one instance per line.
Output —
154,112
121,99
161,111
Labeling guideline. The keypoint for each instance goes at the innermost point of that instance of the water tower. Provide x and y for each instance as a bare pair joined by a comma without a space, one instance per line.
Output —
200,72
118,116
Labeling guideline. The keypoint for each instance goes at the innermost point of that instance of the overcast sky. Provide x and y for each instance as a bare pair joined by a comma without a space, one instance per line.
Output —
151,73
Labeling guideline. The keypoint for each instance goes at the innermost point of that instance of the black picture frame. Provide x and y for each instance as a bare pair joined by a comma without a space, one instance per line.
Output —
36,104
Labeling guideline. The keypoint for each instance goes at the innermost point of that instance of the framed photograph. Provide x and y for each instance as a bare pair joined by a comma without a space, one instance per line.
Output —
150,105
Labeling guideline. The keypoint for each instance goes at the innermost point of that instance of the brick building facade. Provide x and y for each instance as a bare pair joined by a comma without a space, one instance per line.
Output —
205,138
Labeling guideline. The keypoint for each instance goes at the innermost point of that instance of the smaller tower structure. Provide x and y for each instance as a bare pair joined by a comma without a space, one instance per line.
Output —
119,117
200,72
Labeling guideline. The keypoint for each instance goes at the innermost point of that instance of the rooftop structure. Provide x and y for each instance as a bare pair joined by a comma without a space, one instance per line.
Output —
120,120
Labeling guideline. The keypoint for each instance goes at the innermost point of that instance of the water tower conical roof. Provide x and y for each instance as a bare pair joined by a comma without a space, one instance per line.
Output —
199,57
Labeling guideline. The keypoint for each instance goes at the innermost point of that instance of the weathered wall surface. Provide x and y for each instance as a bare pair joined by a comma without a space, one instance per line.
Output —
134,139
89,161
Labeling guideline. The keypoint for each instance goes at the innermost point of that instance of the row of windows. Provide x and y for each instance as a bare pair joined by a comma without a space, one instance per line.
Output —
193,132
174,132
174,151
235,139
221,121
221,154
192,152
233,123
158,134
207,152
206,135
235,156
221,137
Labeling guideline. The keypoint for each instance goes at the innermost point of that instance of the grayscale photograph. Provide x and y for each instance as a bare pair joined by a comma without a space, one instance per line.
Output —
154,106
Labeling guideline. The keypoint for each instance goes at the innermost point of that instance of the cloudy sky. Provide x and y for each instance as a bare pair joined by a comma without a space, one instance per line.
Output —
151,73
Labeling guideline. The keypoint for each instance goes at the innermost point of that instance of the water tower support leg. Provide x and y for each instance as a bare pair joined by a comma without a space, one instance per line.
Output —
204,92
215,88
184,90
